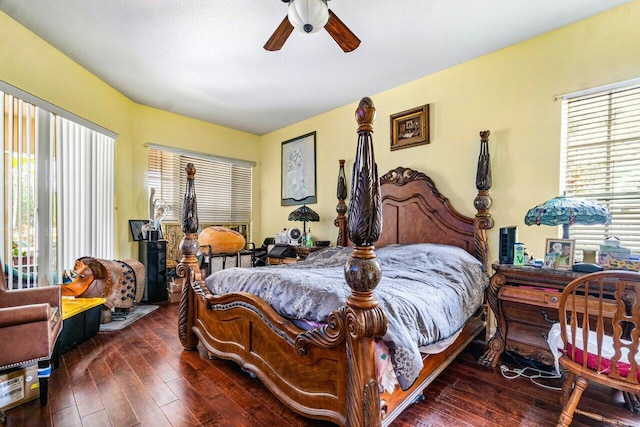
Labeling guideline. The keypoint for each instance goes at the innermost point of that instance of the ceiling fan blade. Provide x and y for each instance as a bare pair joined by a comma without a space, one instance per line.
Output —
279,36
341,34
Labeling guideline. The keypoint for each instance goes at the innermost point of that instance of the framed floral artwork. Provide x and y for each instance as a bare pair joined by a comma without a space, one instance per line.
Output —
299,170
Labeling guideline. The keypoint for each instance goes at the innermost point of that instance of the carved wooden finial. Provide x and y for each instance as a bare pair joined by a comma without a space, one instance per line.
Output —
341,192
483,174
365,216
190,205
364,319
341,208
365,115
191,171
483,201
189,245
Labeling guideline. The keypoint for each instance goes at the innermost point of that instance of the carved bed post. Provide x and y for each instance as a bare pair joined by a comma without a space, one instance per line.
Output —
482,202
189,248
483,220
364,319
341,208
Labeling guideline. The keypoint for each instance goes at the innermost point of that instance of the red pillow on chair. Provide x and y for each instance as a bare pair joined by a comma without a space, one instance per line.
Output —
605,363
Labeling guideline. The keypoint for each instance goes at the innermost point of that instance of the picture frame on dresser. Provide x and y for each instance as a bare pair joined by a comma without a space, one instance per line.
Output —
559,253
141,230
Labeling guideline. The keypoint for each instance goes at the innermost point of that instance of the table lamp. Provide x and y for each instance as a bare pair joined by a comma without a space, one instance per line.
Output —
566,211
304,214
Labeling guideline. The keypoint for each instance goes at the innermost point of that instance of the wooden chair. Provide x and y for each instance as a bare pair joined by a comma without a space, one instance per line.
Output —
610,333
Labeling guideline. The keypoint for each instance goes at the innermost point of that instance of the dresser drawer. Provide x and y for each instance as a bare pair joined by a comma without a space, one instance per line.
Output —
543,317
533,296
531,335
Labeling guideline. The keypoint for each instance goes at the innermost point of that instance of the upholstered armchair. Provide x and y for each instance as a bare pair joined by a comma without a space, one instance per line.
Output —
30,322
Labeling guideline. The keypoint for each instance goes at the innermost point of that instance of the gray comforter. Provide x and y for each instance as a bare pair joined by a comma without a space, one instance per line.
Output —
427,291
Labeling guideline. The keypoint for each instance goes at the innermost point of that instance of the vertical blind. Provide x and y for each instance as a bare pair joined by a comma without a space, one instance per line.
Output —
601,161
223,187
85,188
57,199
18,195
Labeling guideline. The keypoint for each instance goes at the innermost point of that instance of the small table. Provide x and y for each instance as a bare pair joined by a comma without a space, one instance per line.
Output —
304,251
81,317
525,302
279,261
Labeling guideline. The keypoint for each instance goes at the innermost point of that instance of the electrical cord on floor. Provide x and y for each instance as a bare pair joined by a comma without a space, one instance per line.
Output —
532,373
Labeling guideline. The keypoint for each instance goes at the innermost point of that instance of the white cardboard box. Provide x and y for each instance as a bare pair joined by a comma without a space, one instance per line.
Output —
175,285
173,296
18,386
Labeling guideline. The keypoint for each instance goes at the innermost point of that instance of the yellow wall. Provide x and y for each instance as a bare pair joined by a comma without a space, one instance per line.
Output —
29,63
510,92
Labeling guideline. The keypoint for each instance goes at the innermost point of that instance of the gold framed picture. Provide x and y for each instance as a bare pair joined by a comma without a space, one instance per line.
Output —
559,253
410,128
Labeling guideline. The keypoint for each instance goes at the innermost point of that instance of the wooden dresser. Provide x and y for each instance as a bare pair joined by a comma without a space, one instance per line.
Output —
525,302
279,261
301,254
304,251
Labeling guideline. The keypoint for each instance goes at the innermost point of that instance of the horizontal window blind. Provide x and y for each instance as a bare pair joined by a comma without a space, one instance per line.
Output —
601,161
164,178
223,188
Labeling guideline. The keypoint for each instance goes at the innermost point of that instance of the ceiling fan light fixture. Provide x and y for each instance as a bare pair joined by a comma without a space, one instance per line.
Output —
308,16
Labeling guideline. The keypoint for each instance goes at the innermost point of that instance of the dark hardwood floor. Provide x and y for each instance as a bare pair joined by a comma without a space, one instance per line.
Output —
142,376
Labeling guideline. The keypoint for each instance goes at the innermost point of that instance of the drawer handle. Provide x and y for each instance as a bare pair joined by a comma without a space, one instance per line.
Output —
546,317
554,299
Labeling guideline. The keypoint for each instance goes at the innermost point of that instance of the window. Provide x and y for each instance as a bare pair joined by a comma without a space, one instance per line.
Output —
601,160
223,190
57,198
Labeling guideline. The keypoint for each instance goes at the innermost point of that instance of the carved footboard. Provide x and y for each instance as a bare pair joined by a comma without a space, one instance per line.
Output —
305,370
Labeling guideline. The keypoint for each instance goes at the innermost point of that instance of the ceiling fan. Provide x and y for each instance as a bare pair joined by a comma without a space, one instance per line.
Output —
310,16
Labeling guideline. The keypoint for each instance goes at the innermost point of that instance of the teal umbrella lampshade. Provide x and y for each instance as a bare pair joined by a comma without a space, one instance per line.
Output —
566,211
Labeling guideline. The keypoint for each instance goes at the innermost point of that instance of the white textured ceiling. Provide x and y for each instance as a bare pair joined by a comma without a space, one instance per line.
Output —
204,58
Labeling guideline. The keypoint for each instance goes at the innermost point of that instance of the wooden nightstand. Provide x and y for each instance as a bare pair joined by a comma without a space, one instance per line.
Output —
304,251
279,261
525,302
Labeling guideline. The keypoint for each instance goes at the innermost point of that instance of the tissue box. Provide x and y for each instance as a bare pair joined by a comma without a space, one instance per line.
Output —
174,293
174,296
175,285
19,386
608,253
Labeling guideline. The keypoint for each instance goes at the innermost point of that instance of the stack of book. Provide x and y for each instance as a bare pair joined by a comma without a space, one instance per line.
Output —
611,252
632,263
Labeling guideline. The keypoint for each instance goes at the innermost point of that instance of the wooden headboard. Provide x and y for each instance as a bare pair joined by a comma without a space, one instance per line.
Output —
414,211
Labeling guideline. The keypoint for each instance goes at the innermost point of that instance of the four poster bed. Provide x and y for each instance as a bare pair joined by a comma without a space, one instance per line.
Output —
328,368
